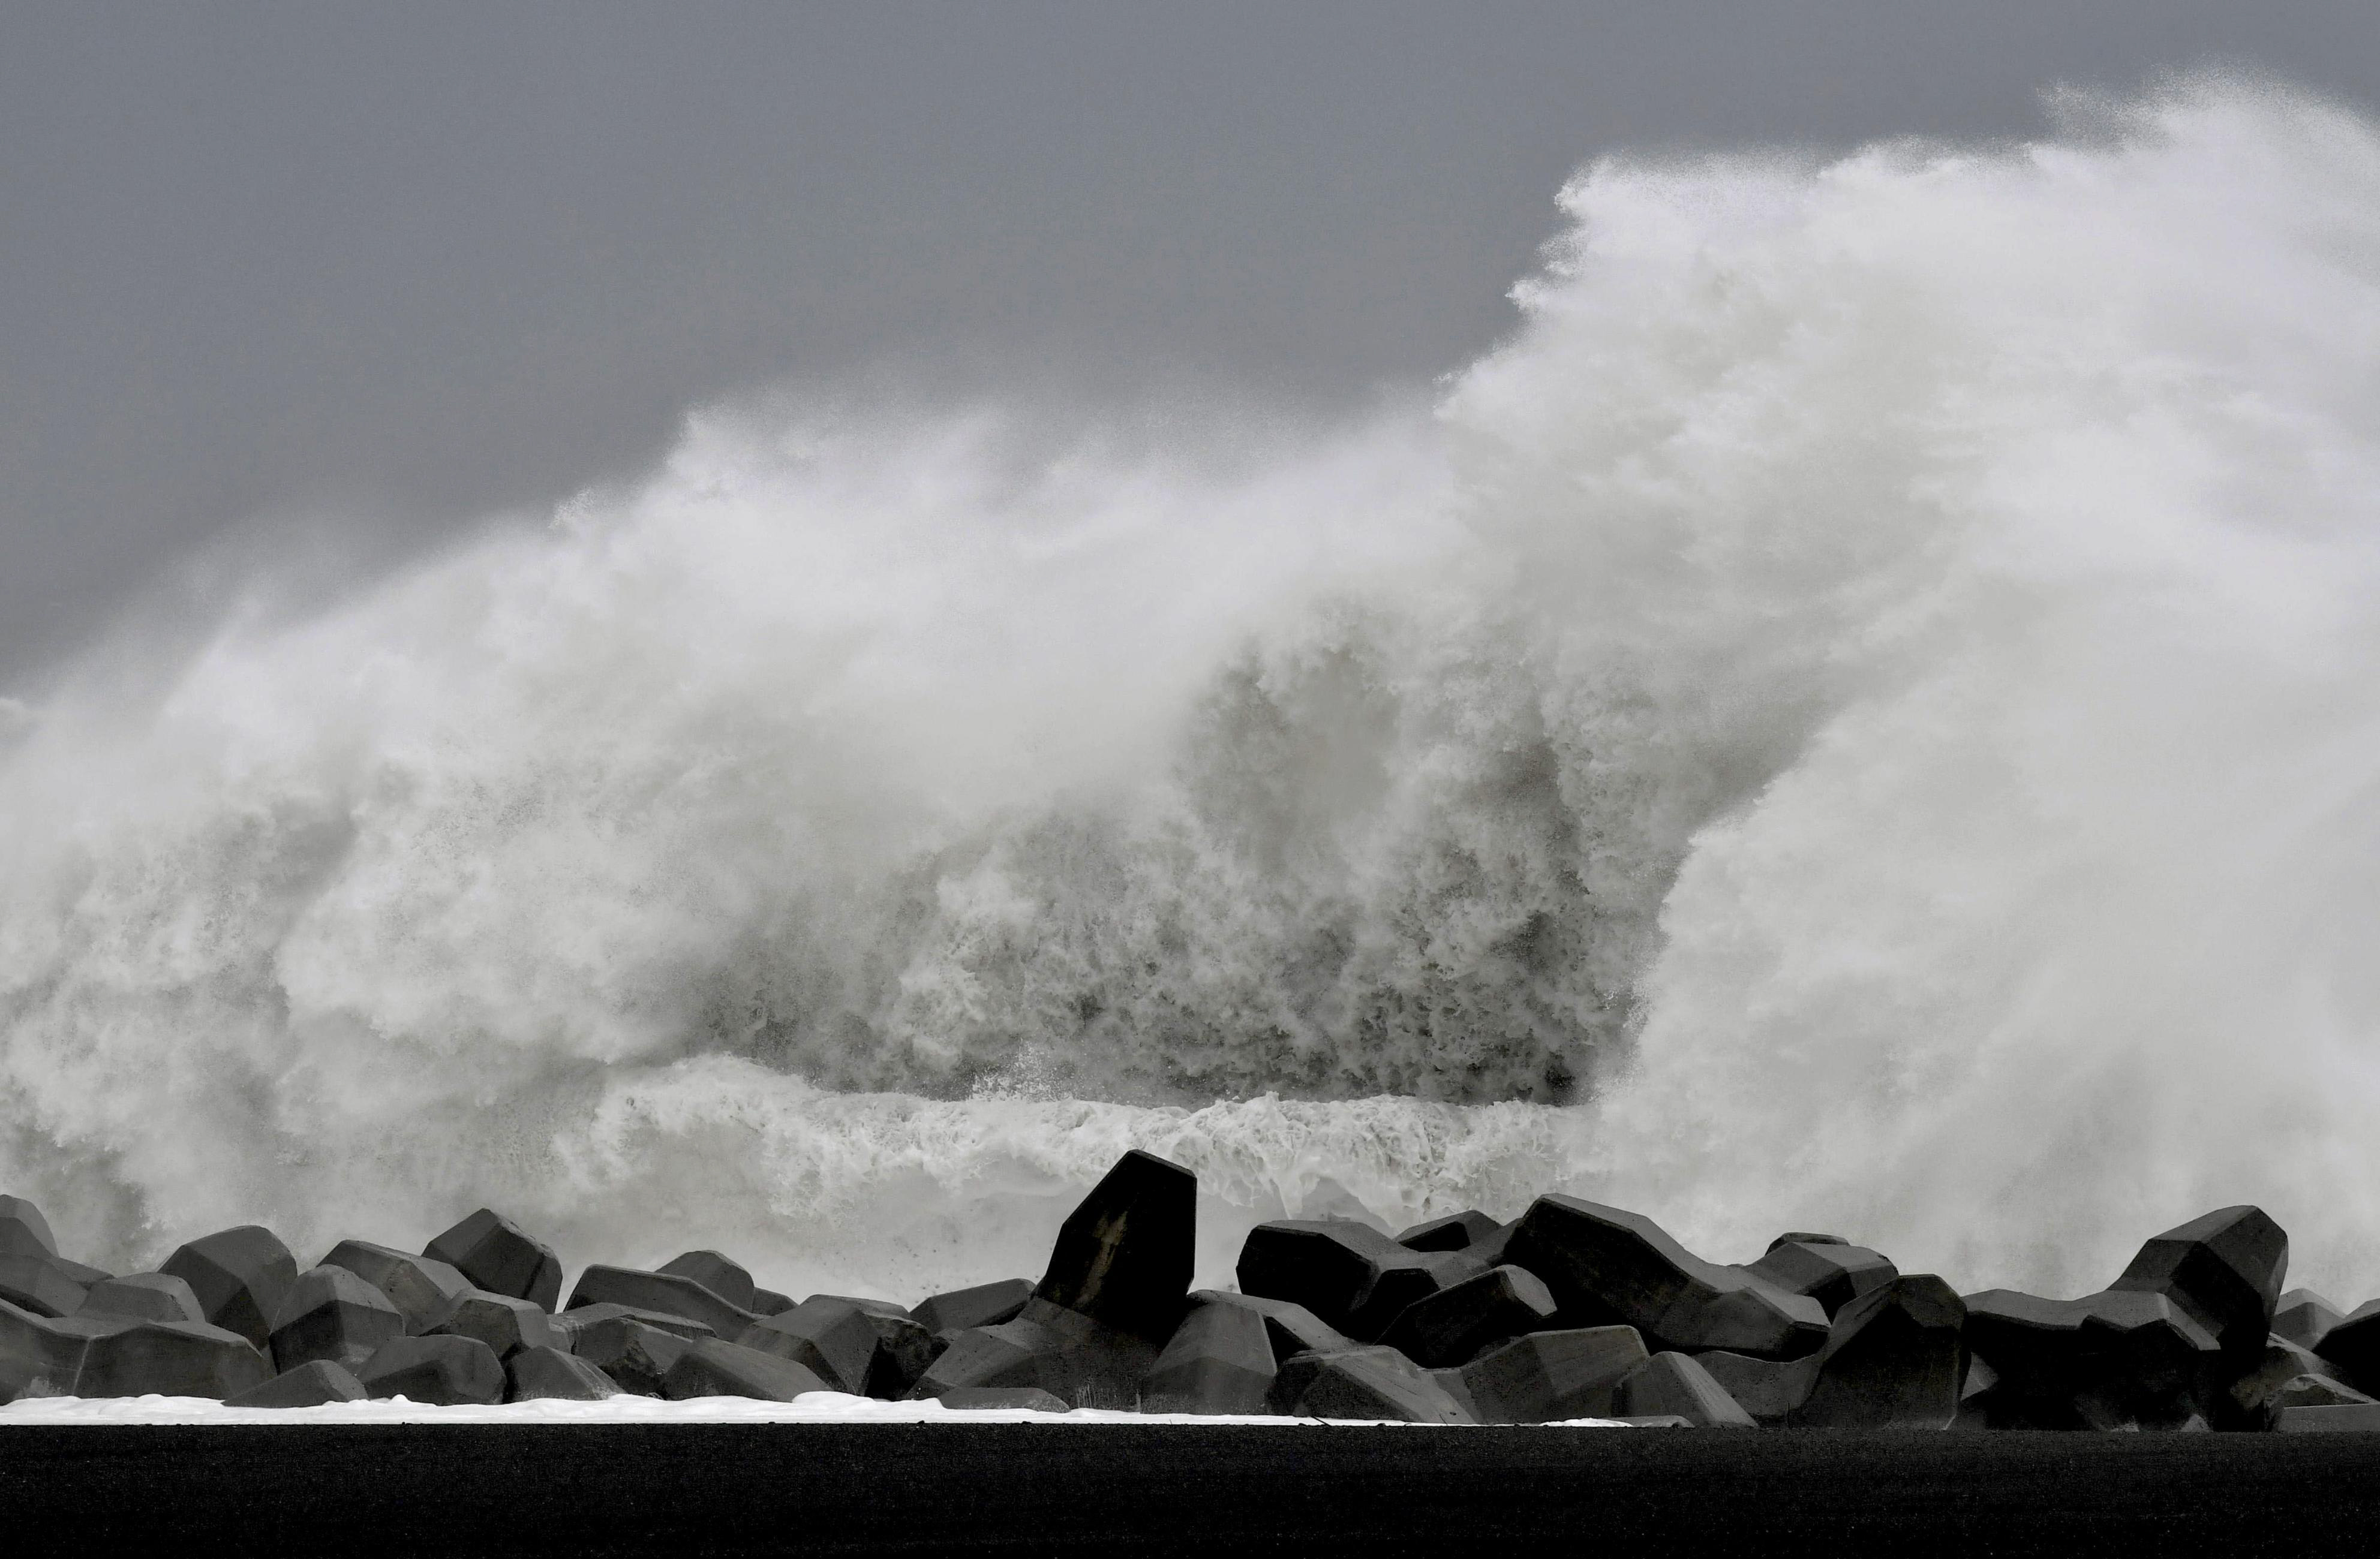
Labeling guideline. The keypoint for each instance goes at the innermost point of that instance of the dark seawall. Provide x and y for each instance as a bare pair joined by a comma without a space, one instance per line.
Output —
1182,1489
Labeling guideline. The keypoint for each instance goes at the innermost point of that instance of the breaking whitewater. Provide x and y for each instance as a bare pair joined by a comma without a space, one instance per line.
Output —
1864,714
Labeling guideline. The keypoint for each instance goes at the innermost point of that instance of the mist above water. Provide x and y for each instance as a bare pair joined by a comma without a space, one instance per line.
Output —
1864,714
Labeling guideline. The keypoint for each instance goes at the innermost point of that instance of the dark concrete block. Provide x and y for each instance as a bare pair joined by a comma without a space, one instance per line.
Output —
1361,1384
504,1324
1219,1361
712,1368
241,1276
1455,1233
2352,1347
983,1398
768,1301
1607,1266
1062,1351
719,1275
1352,1277
2359,1417
571,1323
448,1372
2224,1270
2114,1360
2316,1391
1771,1390
636,1354
42,1285
1454,1325
665,1292
42,1356
2254,1397
1489,1250
548,1375
23,1231
1801,1237
144,1295
1451,1383
1292,1327
984,1358
904,1348
986,1304
1672,1384
171,1358
1123,1256
1894,1359
2305,1317
422,1287
309,1385
499,1255
329,1313
833,1339
1831,1272
1547,1377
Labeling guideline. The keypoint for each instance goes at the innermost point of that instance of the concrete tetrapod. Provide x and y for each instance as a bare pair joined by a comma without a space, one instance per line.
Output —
986,1304
1894,1359
636,1354
1062,1351
331,1315
499,1255
1546,1377
307,1385
2222,1269
1449,1327
2287,1375
904,1348
2305,1317
1123,1256
1831,1272
1290,1327
1670,1384
41,1284
1361,1384
2351,1345
571,1323
725,1278
504,1324
667,1292
2114,1360
170,1359
1352,1277
1457,1232
833,1339
23,1231
144,1295
549,1374
1219,1361
1610,1268
422,1287
712,1368
446,1372
241,1276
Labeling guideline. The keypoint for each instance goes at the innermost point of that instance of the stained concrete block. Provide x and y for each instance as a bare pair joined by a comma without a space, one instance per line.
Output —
1123,1256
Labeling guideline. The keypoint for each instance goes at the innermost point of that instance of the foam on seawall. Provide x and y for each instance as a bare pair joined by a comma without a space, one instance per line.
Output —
1864,714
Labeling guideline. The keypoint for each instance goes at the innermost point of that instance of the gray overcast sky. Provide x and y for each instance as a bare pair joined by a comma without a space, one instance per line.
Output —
424,260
